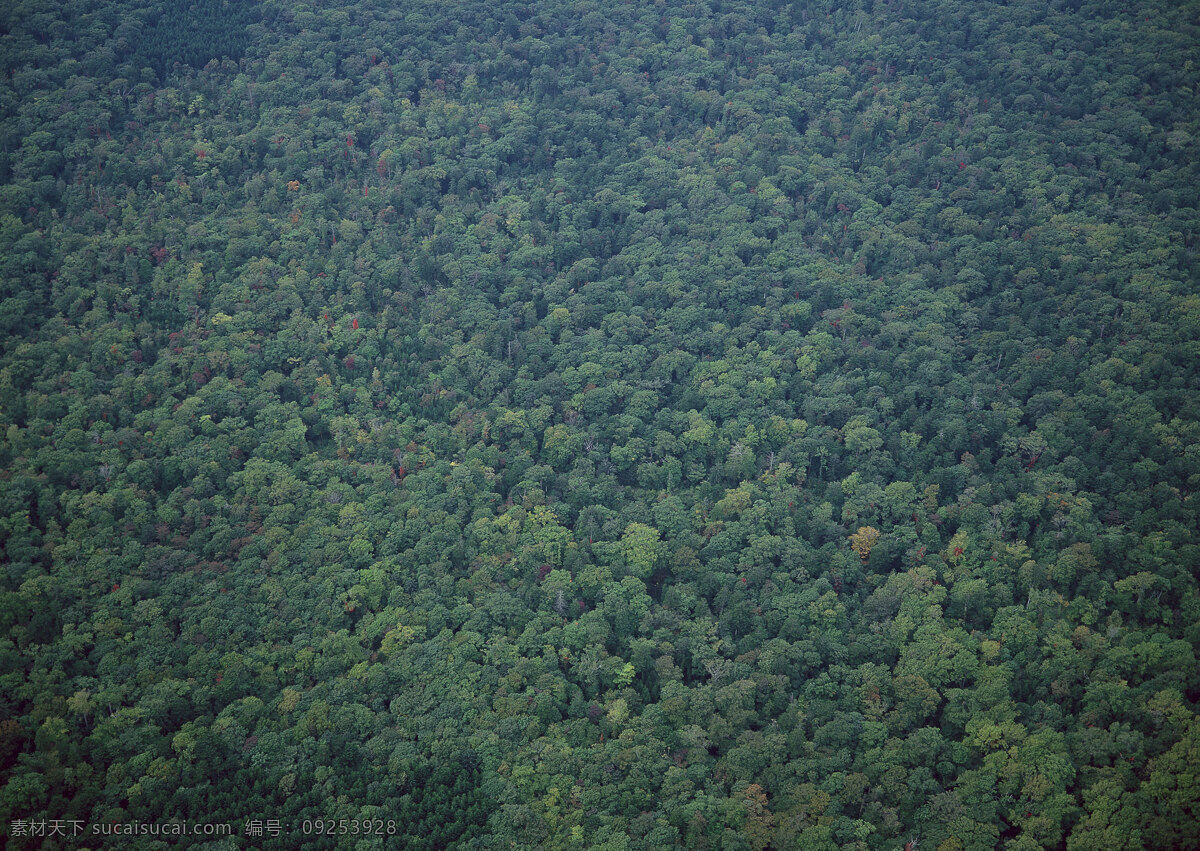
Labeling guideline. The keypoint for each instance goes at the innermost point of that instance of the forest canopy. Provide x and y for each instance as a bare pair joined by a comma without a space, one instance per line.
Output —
629,425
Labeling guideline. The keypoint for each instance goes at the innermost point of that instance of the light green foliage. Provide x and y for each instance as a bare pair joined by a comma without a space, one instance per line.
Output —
860,437
640,547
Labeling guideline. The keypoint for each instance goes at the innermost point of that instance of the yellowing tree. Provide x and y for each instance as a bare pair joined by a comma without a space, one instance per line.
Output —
759,820
862,541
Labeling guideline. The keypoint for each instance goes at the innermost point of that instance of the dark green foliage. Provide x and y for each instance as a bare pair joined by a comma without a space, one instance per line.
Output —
193,33
617,425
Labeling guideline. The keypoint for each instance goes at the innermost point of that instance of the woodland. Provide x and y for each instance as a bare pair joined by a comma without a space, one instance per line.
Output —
562,424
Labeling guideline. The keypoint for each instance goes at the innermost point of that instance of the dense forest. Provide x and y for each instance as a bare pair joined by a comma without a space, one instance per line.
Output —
709,424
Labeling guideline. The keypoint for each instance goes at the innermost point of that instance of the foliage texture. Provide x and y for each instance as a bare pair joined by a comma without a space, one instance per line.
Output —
710,424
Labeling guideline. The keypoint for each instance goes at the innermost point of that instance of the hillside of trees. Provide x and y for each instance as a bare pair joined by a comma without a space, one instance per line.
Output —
624,425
